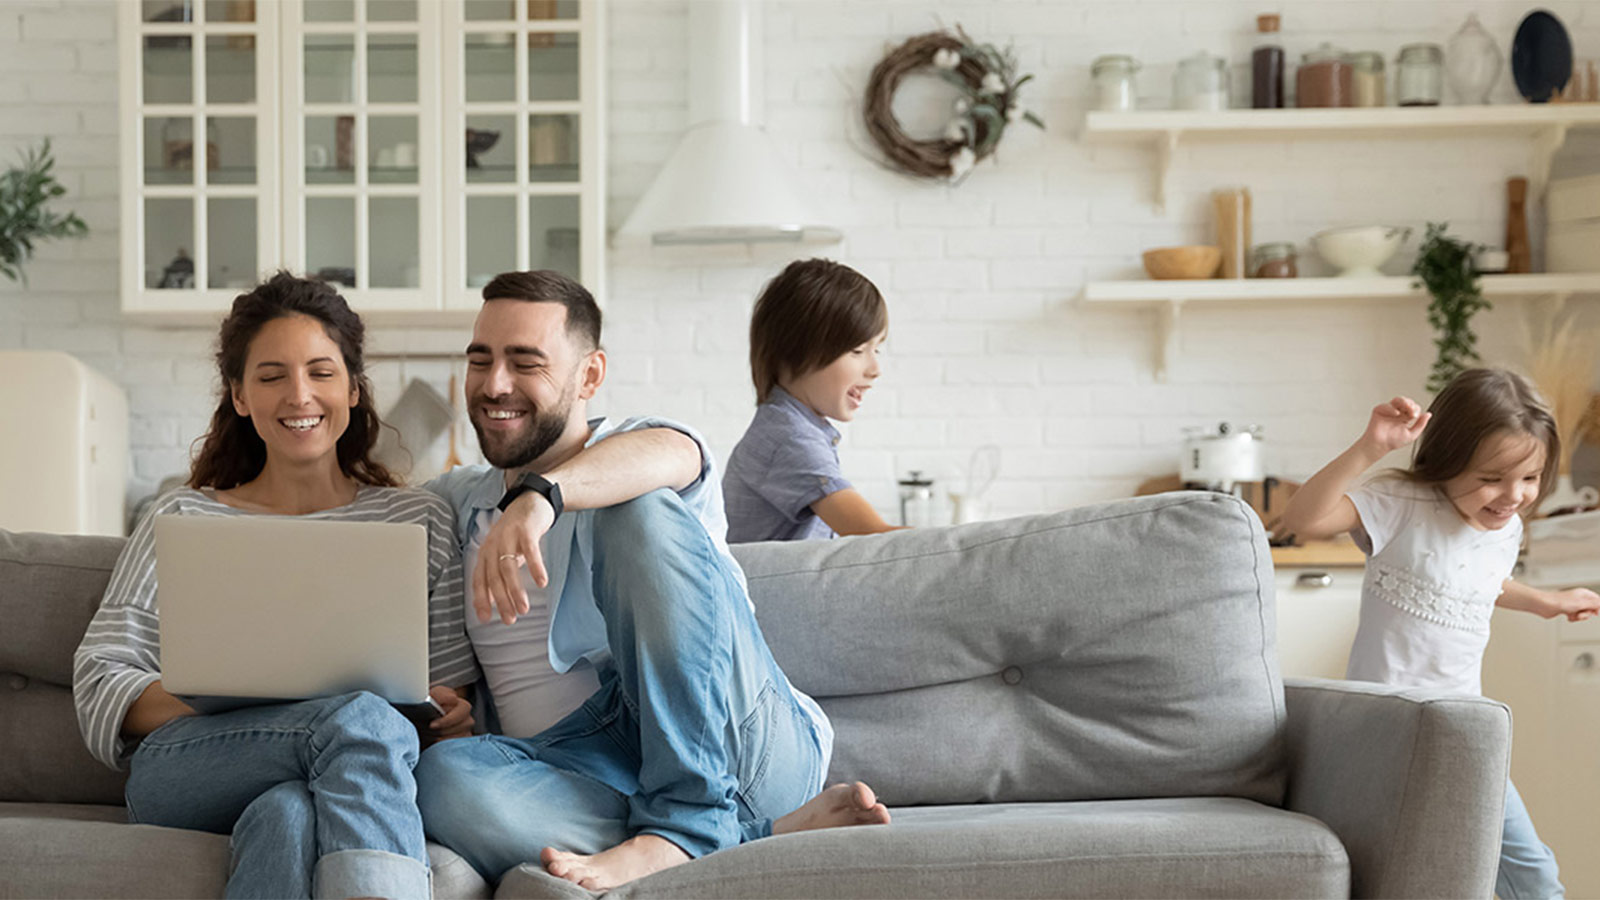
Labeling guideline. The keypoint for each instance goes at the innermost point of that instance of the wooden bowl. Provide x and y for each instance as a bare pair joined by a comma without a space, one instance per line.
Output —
1196,261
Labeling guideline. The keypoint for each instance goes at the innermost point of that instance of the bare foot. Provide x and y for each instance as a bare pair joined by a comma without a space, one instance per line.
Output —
835,807
636,857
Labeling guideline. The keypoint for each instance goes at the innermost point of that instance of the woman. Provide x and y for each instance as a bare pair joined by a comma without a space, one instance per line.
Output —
318,795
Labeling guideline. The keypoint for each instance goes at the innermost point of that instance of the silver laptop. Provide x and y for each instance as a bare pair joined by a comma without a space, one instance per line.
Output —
259,609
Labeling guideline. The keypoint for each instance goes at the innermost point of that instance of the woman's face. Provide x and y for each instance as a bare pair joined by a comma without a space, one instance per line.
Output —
296,391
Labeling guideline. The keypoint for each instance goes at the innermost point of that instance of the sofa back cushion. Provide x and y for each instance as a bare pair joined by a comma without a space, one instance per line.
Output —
1115,651
50,587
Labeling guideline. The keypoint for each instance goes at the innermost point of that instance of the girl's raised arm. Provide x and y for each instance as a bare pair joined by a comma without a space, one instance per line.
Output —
1320,509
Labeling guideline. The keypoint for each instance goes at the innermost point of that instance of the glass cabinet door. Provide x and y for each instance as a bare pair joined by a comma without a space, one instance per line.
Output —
408,150
362,182
200,170
523,182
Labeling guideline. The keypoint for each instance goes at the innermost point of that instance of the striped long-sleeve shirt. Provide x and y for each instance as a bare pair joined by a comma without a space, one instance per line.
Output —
120,654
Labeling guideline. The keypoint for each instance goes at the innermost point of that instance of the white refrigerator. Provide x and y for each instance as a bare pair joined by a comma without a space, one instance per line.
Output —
63,445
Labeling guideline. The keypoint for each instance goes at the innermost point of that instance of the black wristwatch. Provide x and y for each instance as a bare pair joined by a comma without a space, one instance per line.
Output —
532,481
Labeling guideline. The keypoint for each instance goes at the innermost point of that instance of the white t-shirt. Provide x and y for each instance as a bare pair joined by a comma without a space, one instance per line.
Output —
530,695
1430,588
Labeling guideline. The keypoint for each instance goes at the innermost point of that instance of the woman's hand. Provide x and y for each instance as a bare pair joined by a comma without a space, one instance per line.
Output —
153,708
457,719
512,541
1394,425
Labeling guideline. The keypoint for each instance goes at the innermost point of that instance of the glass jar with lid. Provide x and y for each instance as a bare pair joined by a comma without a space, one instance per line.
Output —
1367,79
1112,83
1323,79
1419,75
1201,82
1275,260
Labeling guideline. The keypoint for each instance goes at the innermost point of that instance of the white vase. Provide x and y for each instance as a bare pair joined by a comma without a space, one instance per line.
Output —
1472,62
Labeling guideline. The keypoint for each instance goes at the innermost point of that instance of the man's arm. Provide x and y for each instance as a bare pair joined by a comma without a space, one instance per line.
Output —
611,471
625,466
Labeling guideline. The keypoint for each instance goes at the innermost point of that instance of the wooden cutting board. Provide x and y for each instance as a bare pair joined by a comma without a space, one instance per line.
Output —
1268,506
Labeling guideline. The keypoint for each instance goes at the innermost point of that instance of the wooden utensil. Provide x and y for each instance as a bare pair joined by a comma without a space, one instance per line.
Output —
1521,256
453,459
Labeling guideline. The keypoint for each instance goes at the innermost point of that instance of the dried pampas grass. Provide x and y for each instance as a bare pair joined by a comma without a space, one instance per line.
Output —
1561,361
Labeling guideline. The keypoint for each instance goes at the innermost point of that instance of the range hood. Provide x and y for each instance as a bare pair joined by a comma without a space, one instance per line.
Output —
725,183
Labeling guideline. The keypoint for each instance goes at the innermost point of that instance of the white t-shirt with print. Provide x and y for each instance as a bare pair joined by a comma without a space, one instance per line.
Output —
1430,588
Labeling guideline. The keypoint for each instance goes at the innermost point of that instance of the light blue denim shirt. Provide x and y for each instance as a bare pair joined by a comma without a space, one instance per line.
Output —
787,460
576,629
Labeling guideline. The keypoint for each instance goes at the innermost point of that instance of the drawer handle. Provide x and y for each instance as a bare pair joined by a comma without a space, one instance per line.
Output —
1314,580
1584,661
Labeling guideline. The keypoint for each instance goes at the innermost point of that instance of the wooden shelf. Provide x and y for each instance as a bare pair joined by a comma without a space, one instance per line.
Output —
1387,121
1174,295
1545,124
1288,290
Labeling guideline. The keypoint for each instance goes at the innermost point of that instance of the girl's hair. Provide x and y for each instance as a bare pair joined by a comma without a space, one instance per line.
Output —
1474,405
814,312
232,453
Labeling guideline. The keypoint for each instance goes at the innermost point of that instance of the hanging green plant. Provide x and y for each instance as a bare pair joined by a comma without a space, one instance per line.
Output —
25,193
1444,266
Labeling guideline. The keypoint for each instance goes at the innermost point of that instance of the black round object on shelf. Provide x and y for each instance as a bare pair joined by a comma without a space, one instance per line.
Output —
1541,56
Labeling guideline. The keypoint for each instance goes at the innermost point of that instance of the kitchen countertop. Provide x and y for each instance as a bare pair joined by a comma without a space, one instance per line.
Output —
1341,552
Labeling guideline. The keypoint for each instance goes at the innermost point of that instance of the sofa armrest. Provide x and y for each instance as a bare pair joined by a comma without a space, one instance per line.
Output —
1412,781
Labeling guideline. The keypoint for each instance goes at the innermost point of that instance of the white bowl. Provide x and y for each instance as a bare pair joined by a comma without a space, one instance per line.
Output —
1358,252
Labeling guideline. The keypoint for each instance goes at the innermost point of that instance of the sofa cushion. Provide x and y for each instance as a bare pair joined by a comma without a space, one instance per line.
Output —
1116,651
47,761
1198,847
50,587
80,827
54,856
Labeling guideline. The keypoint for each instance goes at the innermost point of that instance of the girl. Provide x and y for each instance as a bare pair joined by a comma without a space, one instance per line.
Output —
1441,538
815,337
318,795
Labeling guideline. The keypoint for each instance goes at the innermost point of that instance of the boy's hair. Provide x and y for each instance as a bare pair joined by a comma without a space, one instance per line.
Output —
547,286
1474,405
814,312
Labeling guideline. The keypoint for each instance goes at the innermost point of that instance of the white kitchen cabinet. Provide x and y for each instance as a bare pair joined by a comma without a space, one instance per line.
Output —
407,149
1548,672
1318,610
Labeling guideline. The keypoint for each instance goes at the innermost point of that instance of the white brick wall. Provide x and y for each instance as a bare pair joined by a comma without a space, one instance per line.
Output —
987,343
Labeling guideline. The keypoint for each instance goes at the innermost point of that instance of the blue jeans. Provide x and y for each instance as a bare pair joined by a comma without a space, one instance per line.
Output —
1528,869
694,734
318,795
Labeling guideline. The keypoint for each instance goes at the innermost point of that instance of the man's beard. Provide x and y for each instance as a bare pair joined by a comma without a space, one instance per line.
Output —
548,426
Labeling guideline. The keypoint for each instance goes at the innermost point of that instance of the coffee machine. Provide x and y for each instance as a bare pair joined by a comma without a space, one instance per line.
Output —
1222,458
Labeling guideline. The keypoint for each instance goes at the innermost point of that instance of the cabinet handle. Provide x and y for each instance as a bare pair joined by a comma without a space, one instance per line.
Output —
1314,580
1583,661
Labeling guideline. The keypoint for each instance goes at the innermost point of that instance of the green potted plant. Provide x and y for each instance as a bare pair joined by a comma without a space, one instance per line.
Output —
25,216
1444,266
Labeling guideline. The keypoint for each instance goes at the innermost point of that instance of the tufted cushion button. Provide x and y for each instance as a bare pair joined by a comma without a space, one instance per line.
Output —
16,682
1011,675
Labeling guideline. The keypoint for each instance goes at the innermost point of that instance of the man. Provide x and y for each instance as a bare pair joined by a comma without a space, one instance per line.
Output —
644,721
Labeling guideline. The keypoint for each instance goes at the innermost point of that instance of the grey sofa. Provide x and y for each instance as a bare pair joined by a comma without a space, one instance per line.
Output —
1083,704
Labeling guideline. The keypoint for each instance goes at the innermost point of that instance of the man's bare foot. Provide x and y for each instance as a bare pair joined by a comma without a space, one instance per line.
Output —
636,857
835,807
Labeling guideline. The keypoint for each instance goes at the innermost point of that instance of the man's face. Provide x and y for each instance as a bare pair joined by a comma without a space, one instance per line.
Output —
525,377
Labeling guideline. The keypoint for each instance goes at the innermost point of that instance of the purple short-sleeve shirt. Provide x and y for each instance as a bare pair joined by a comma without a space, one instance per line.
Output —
787,460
